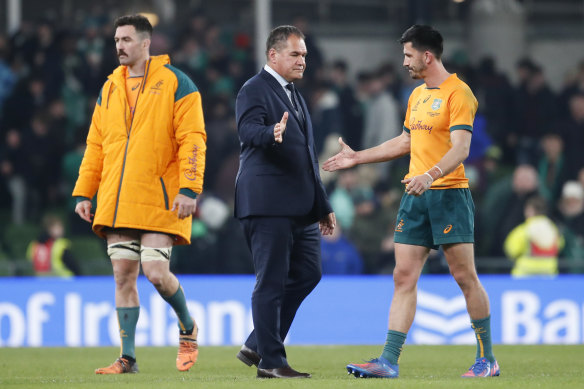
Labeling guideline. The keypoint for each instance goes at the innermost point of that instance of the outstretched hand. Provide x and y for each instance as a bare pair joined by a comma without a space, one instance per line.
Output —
344,159
280,128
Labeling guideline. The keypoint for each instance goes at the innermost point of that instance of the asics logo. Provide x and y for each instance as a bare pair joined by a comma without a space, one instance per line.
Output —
447,229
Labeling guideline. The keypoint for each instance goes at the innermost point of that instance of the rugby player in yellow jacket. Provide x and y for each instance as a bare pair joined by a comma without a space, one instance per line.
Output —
145,159
436,208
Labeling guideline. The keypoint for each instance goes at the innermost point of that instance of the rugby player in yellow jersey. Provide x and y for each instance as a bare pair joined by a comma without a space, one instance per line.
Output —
436,208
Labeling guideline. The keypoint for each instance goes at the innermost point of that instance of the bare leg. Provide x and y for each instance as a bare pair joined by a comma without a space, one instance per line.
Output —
158,272
125,271
460,258
408,267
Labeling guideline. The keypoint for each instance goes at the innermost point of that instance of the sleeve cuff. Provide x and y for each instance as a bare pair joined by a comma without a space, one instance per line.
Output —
187,192
79,199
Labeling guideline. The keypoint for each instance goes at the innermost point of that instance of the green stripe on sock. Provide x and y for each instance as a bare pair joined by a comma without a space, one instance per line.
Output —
127,319
482,329
394,344
178,302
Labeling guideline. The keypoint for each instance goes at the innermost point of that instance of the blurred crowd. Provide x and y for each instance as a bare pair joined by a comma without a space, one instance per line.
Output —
526,140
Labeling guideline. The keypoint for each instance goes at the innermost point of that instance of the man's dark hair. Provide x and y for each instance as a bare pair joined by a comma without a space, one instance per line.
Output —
279,35
140,23
424,38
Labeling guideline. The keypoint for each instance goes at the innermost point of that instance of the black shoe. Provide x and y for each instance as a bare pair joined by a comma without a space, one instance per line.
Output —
248,356
281,372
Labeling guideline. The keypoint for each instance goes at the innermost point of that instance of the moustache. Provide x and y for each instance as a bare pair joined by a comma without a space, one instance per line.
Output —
121,53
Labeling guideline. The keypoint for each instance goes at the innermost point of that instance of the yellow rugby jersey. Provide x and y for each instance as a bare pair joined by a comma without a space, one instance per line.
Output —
432,114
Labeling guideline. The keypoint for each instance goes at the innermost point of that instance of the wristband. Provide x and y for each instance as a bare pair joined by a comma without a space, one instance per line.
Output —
435,173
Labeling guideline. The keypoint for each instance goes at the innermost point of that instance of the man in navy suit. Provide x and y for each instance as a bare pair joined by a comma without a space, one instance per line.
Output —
279,199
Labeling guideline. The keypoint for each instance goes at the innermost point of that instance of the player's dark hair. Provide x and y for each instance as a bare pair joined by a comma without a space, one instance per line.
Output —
424,38
279,35
140,23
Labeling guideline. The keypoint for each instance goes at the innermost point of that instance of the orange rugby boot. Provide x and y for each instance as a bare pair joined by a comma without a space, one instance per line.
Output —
188,351
120,366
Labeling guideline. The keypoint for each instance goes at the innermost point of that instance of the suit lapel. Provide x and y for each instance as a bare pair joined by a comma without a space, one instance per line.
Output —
275,85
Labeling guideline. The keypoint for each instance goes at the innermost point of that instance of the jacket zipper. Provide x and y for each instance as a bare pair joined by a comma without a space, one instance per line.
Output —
128,131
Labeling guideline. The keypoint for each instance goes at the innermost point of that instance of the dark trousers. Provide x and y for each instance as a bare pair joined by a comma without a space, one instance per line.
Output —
287,263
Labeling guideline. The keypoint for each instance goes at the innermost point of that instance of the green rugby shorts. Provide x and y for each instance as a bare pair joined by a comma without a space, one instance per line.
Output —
438,216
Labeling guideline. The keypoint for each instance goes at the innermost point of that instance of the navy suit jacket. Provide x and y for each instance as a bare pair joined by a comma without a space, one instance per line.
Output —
276,179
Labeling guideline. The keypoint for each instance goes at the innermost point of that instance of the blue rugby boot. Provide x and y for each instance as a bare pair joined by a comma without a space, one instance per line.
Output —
375,368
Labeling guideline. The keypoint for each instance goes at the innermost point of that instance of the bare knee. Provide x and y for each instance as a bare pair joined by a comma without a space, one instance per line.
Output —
156,277
465,278
404,278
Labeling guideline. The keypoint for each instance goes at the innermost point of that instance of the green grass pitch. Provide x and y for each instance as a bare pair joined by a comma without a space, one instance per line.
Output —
421,367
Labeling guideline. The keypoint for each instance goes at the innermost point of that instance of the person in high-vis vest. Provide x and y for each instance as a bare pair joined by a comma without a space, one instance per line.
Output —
534,245
50,253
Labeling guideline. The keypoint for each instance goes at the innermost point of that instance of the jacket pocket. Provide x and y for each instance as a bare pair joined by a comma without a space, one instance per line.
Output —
164,193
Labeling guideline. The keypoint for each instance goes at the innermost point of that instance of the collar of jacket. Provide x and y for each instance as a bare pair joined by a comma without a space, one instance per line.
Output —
154,63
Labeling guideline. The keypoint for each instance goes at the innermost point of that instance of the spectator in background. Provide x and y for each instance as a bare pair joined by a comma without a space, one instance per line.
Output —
495,96
325,112
50,253
7,76
381,118
551,168
571,223
339,255
535,111
535,244
29,98
351,126
502,208
391,80
571,129
15,170
44,152
574,86
314,61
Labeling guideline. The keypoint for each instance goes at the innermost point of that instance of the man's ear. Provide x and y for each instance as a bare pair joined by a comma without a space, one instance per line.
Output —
272,55
428,56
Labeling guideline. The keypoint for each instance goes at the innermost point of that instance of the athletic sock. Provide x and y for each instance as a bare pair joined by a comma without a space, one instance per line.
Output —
178,302
482,329
127,320
393,346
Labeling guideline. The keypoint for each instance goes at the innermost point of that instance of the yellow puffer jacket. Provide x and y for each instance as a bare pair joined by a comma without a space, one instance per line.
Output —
140,163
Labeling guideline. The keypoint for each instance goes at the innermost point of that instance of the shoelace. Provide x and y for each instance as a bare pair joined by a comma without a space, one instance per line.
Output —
479,366
187,346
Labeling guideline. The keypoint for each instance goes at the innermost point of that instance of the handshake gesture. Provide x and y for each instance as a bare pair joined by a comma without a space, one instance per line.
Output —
280,128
